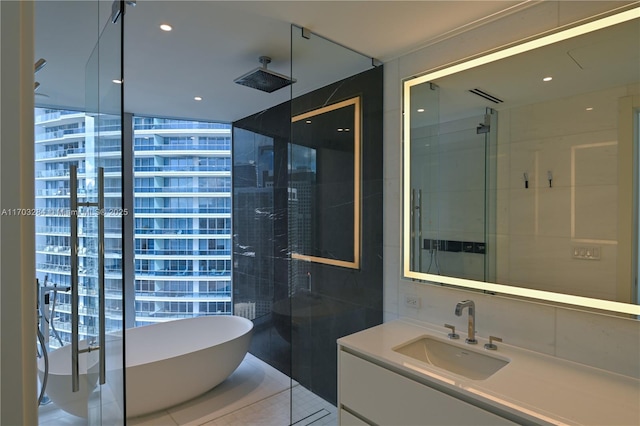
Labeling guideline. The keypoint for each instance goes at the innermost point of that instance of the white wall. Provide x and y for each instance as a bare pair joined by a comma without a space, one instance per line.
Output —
18,392
603,341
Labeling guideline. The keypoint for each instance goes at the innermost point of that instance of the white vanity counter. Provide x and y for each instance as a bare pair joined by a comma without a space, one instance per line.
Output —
533,387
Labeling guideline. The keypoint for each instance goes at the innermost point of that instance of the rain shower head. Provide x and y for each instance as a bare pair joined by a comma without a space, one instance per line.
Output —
263,79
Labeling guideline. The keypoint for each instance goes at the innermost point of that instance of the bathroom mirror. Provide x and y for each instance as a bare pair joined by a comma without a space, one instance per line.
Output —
520,168
324,176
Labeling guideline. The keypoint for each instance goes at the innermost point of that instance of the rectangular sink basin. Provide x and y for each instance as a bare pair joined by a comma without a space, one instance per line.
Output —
454,358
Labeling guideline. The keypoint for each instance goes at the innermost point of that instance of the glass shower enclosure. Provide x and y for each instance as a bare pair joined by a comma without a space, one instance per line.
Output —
307,218
79,243
453,168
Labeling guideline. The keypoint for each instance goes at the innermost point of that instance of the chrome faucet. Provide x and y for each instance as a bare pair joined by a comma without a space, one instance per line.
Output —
471,336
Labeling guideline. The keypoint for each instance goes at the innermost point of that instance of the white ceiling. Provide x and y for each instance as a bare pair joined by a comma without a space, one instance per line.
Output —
215,41
601,60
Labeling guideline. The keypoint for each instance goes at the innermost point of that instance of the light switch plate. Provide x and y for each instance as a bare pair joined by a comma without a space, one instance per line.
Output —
587,252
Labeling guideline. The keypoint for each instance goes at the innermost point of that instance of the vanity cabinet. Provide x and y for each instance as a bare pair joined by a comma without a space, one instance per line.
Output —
380,384
369,393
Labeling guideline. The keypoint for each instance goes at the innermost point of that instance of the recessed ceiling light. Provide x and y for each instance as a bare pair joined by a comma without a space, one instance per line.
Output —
346,130
197,98
166,27
547,79
420,109
589,108
308,121
116,81
340,129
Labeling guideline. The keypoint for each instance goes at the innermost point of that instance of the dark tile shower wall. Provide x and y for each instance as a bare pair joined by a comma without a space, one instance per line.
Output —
260,217
342,300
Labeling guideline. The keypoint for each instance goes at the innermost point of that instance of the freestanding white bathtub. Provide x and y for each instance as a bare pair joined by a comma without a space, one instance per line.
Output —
166,363
59,380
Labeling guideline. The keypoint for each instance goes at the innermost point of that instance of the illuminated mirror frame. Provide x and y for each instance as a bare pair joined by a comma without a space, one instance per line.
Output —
355,102
585,302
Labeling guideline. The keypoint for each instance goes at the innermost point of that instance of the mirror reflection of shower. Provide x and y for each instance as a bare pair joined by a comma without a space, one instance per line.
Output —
450,216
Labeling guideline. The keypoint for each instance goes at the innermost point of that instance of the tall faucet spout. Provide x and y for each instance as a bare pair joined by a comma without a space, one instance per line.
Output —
471,334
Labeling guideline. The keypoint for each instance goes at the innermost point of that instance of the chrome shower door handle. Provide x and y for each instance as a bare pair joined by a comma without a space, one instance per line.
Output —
75,298
101,291
419,238
415,215
412,229
73,222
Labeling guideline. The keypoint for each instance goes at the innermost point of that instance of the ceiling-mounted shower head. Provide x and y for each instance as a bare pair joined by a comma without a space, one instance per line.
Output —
264,79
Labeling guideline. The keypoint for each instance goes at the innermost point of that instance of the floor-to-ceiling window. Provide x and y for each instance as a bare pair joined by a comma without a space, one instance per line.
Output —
182,209
182,184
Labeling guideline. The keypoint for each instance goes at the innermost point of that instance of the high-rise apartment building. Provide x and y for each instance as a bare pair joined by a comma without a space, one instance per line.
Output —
182,199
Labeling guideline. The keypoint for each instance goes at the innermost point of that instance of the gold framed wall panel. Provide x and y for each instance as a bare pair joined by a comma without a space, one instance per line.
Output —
357,182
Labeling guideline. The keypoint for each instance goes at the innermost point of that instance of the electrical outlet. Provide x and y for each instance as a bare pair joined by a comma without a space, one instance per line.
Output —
411,301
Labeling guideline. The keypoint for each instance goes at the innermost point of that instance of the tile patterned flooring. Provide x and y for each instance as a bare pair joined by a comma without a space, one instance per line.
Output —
256,394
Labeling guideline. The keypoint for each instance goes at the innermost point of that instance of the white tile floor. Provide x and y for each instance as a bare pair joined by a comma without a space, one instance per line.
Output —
255,394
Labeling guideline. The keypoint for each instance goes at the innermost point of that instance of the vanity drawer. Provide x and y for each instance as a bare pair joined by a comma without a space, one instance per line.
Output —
387,398
348,419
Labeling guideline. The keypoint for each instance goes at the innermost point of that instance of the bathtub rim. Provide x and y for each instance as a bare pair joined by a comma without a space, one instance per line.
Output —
248,328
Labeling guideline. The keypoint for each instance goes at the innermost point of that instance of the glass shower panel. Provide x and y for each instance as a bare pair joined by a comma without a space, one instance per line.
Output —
100,222
317,62
259,217
452,169
260,260
78,240
424,115
331,293
490,196
450,230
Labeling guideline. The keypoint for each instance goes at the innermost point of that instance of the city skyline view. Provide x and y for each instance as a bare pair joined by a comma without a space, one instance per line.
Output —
182,217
